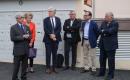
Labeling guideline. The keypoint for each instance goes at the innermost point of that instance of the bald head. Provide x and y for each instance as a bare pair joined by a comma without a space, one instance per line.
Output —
109,16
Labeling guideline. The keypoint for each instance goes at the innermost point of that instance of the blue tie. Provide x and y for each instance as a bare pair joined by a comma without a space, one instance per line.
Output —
22,28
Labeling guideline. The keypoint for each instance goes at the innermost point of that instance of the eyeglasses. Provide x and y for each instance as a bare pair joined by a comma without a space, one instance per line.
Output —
86,15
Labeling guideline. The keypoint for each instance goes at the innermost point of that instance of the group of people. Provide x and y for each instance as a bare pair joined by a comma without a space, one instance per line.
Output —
23,36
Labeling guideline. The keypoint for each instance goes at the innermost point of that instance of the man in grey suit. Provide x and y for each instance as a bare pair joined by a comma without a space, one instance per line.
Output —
20,36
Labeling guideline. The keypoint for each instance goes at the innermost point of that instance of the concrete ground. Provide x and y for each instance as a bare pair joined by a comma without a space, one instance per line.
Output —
6,73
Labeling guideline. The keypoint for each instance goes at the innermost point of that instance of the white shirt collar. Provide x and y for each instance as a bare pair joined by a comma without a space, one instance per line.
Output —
89,21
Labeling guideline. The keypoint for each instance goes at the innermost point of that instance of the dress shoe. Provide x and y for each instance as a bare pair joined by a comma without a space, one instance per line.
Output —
54,71
100,75
73,68
31,70
65,68
84,71
93,73
48,71
108,77
23,78
17,79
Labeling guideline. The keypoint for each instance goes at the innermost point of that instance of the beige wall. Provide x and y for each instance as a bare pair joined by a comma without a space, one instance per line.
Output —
119,7
80,7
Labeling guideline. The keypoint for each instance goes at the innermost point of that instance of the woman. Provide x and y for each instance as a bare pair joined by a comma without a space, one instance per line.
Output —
31,25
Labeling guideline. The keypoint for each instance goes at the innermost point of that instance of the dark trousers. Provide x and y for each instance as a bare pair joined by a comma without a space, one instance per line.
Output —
31,62
51,50
67,46
31,59
111,62
20,60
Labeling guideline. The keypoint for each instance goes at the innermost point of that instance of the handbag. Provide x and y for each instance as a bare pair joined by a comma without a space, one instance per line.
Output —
32,53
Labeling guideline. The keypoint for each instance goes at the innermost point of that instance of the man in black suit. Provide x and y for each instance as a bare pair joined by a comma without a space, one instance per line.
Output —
71,39
20,36
108,44
52,29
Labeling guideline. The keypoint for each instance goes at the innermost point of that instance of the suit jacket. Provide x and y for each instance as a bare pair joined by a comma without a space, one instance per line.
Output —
93,33
21,45
109,37
73,30
48,29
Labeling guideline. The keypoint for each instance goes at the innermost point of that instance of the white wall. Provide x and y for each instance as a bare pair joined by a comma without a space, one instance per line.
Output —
8,10
36,5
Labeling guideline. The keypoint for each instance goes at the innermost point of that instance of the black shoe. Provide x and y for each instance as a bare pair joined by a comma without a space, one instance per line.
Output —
109,77
84,71
73,68
23,78
93,73
100,75
65,68
17,79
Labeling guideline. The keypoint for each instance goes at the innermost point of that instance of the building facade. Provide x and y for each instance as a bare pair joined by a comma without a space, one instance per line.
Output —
9,8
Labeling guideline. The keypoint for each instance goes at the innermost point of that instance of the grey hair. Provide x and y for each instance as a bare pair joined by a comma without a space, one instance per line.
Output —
52,9
110,14
72,11
17,16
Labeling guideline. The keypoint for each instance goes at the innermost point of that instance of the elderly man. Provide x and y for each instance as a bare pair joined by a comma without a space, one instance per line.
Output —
20,36
108,44
52,29
71,38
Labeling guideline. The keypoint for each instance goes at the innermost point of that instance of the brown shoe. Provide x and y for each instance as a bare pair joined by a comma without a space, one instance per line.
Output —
48,71
54,71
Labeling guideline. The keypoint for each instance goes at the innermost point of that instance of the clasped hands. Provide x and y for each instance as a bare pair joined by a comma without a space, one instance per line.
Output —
26,36
53,37
70,29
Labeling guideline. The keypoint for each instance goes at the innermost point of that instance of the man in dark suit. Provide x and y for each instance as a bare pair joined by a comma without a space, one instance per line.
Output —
20,36
108,44
52,29
89,43
71,37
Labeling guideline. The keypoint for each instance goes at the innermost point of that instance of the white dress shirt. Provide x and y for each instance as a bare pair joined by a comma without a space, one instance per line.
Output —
54,21
86,29
71,23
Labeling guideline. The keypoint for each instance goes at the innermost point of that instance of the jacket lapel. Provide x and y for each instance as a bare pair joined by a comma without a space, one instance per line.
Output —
90,27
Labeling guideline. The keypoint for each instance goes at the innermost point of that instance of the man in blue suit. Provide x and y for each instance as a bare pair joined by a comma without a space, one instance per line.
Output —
89,42
52,29
108,44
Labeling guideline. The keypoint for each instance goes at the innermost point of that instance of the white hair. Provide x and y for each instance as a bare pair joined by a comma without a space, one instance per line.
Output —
72,11
110,14
51,9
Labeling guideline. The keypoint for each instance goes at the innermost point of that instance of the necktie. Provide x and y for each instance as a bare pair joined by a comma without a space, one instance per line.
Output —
22,28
